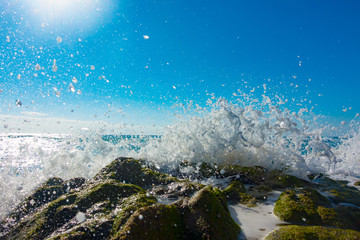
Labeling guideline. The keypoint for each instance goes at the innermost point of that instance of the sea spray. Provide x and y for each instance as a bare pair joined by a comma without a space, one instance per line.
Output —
260,133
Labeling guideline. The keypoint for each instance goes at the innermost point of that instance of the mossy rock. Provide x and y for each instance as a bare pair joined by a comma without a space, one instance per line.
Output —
339,191
92,229
50,190
247,175
357,183
259,192
312,233
60,211
206,216
207,170
203,216
158,221
112,190
348,217
129,170
277,179
236,193
300,206
180,188
274,179
127,207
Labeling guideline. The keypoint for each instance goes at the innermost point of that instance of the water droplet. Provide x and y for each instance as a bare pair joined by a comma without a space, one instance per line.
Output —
146,37
71,87
79,91
92,67
59,39
18,103
80,217
37,67
74,80
19,76
54,67
32,202
141,217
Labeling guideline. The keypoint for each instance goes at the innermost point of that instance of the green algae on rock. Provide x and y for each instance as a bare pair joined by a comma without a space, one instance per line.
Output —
300,206
60,211
45,193
104,206
274,179
129,170
153,222
203,216
207,216
307,206
127,207
338,190
294,232
236,193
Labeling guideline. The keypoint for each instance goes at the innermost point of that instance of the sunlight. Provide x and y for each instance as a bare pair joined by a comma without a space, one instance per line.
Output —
60,8
58,5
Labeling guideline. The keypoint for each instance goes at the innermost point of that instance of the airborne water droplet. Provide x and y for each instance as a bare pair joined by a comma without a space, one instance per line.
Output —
37,67
59,39
71,87
74,80
54,67
18,103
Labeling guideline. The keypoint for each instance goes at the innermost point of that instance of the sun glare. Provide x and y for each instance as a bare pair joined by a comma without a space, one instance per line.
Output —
59,8
58,5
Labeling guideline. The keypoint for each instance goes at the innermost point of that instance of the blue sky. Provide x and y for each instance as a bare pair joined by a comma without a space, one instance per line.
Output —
148,54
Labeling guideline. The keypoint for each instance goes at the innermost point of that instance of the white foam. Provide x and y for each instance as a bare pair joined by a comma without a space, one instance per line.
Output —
256,222
242,134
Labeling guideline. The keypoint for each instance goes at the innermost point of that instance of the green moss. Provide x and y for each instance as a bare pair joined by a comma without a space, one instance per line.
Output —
127,207
247,175
180,188
153,222
207,217
129,170
300,206
236,192
349,217
93,229
329,217
207,170
339,191
275,179
357,183
279,180
108,190
312,233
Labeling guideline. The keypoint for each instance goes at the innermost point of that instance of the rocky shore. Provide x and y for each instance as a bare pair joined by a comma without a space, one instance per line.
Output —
131,200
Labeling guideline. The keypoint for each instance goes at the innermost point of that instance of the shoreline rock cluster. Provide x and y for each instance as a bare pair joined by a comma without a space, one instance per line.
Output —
121,202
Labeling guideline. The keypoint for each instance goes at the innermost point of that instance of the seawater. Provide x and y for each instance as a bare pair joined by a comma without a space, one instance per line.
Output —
227,133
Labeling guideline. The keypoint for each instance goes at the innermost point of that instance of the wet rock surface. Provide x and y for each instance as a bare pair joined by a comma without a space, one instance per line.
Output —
121,202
